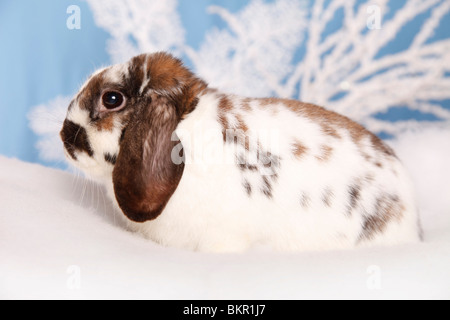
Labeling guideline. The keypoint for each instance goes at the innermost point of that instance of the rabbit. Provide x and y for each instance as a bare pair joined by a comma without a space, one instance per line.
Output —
194,168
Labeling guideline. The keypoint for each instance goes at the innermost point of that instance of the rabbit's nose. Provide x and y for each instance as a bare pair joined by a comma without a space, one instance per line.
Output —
75,139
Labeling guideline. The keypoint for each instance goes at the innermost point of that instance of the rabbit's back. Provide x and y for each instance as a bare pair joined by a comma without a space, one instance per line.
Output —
285,174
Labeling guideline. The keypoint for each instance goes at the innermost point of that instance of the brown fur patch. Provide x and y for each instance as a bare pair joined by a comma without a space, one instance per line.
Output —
145,176
381,146
87,98
265,161
248,167
166,72
247,187
241,125
387,208
245,104
330,122
371,160
106,124
327,197
170,78
235,133
299,149
305,200
266,189
330,131
325,153
225,106
327,119
112,159
355,194
136,69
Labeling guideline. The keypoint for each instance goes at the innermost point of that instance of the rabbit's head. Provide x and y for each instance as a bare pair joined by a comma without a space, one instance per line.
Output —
121,124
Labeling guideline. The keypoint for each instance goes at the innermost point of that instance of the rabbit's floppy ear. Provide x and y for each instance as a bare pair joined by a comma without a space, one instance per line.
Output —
145,177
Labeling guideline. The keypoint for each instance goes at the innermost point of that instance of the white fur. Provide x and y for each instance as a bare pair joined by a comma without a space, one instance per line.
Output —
101,142
115,73
146,77
212,211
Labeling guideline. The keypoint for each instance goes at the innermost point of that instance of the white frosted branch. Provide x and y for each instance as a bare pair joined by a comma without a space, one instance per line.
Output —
312,58
432,23
231,20
250,58
390,29
431,108
394,128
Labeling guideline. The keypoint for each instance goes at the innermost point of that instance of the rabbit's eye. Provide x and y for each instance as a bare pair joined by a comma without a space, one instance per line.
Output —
112,100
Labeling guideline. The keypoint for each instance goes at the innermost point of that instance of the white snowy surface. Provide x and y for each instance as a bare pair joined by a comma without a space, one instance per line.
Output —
59,238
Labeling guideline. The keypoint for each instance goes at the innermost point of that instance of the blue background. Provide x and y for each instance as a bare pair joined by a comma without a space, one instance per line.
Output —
40,58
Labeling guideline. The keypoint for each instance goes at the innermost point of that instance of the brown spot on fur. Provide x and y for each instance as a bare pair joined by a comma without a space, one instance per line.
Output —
235,133
371,160
330,131
249,167
247,187
266,189
136,69
106,124
379,145
241,125
305,201
355,194
266,164
241,161
366,157
268,102
112,159
225,106
330,122
387,208
327,197
299,149
369,178
245,105
244,165
325,153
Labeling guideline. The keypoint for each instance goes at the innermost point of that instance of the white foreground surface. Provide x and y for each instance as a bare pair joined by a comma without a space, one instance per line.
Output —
61,239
